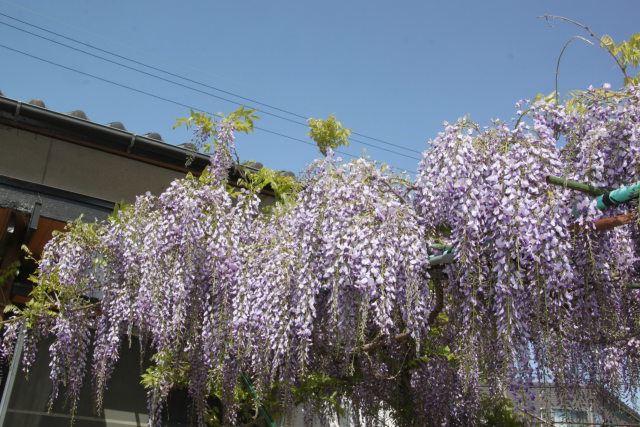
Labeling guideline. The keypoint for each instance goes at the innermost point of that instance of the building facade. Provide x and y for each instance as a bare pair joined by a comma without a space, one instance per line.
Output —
54,168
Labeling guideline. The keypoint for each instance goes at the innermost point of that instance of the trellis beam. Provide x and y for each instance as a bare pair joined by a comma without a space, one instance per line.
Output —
578,186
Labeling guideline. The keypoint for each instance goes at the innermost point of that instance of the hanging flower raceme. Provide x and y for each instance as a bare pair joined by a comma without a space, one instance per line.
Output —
484,192
62,308
185,260
341,268
333,301
166,269
601,129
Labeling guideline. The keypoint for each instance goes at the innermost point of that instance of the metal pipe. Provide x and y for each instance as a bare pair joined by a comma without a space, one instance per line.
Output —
263,410
11,376
585,188
614,221
441,259
442,247
619,196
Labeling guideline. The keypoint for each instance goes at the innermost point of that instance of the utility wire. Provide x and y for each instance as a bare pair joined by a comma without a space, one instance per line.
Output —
156,96
157,55
139,71
171,101
196,82
150,66
186,86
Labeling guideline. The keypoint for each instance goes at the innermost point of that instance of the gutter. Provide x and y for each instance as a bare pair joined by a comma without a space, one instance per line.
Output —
100,137
105,138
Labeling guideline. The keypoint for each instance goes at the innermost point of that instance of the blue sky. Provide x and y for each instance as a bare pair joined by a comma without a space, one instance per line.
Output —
390,70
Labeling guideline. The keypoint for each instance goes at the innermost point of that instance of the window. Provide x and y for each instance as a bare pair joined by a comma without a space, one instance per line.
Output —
569,415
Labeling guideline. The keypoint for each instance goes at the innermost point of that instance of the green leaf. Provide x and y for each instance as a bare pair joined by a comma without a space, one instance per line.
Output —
607,42
9,308
328,133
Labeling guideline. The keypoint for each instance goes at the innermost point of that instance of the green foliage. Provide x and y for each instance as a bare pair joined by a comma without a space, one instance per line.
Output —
328,133
9,273
241,119
163,367
201,120
320,389
626,53
432,347
285,188
49,296
576,98
499,414
117,207
579,101
545,98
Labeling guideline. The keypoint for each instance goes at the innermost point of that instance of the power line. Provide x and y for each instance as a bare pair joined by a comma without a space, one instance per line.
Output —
185,86
160,56
154,95
196,82
171,101
138,70
150,66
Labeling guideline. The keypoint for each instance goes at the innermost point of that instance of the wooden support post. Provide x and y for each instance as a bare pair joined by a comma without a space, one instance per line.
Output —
614,221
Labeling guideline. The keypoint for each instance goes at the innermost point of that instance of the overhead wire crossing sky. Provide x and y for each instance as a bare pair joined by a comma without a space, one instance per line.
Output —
192,81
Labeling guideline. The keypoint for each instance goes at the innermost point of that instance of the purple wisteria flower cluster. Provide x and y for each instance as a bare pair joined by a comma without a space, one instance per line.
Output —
600,345
536,294
485,190
332,302
344,266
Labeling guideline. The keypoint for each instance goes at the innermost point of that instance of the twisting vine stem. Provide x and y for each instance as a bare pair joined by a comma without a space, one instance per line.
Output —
593,35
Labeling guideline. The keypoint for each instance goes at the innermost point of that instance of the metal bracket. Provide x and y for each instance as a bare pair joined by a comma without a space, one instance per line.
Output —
133,141
11,229
33,222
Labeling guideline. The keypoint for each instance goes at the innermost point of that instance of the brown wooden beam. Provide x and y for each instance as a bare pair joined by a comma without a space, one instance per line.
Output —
12,254
614,221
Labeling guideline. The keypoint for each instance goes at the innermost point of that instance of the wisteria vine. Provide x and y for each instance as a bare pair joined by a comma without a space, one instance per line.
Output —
332,302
